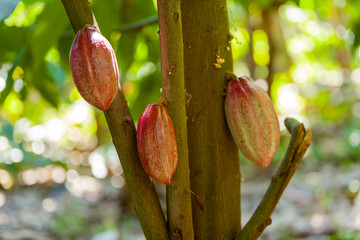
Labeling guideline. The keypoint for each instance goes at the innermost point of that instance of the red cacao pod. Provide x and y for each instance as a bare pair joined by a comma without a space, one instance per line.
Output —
156,143
252,120
94,68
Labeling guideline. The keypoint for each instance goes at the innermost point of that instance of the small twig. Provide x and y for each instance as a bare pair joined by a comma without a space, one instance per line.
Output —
138,25
300,141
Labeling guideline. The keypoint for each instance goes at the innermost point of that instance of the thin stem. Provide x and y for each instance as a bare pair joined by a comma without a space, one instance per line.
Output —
123,132
173,88
138,25
80,14
300,141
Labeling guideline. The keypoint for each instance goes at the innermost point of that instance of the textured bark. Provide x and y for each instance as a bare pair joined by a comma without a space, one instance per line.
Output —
178,194
214,160
79,15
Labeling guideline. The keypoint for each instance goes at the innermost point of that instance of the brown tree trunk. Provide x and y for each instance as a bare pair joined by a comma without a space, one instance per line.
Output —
213,156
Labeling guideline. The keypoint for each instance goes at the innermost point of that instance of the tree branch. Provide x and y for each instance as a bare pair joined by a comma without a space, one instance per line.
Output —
123,132
300,141
138,25
173,88
79,13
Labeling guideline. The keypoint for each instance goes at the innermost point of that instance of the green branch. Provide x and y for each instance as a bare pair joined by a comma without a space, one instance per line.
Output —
138,25
79,13
123,132
178,194
300,141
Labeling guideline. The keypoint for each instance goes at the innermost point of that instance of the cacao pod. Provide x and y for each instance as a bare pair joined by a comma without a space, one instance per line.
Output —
252,120
156,143
94,68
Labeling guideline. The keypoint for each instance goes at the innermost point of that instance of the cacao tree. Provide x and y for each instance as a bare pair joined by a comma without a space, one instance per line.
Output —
203,199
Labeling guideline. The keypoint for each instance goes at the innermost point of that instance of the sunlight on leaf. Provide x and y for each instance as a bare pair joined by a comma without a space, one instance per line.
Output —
141,52
240,43
260,47
18,73
145,70
24,16
307,4
13,105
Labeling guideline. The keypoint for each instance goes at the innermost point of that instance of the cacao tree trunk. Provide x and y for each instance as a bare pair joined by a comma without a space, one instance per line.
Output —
213,156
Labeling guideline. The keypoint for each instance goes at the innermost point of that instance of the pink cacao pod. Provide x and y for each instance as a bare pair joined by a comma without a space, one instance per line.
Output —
156,143
252,120
94,68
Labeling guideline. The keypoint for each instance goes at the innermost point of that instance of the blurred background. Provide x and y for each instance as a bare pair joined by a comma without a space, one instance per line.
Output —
60,177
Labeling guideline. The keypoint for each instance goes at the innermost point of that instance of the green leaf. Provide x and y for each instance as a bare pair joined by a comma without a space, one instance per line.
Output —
41,81
49,26
7,7
107,15
46,87
125,50
14,41
56,72
9,79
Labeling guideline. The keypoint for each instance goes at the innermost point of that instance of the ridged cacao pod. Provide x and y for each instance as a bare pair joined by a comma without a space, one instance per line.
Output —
252,120
156,143
94,68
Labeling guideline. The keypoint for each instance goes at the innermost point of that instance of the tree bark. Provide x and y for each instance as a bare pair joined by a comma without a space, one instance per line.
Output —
213,156
178,194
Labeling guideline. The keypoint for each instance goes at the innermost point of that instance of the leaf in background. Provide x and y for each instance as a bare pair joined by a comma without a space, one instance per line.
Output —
53,68
131,11
149,92
40,79
23,93
46,87
7,130
107,15
125,50
9,79
356,30
7,7
14,41
49,26
56,72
